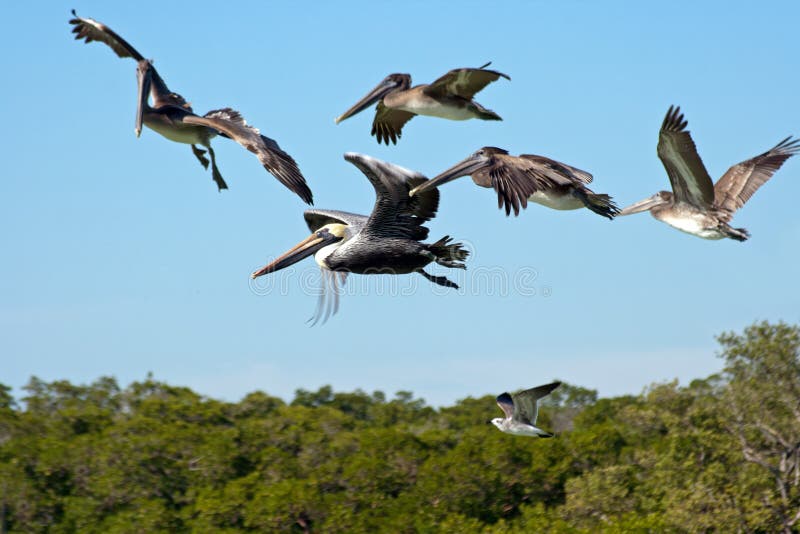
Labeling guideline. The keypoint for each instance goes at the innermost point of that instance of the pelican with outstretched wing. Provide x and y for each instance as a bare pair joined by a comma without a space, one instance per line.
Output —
449,97
519,179
388,241
696,205
172,116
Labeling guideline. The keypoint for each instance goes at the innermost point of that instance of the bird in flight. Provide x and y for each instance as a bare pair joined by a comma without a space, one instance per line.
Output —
388,241
171,116
696,205
519,179
449,97
521,410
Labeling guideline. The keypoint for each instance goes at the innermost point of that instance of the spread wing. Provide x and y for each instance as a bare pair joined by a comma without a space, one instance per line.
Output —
687,174
388,123
396,214
552,168
515,179
506,404
527,402
91,30
316,219
275,161
464,82
743,179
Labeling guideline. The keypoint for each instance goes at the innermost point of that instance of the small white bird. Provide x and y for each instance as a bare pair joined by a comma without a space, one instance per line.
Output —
521,410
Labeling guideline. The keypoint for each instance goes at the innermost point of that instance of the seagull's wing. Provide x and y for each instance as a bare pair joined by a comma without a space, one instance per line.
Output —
388,123
743,179
91,30
277,162
506,404
464,82
527,402
677,151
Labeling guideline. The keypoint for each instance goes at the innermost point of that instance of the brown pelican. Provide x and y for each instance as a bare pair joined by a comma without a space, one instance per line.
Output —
449,97
386,242
171,116
521,411
518,179
695,205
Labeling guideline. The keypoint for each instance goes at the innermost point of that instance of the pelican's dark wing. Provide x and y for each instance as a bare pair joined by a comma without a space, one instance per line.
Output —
316,219
526,403
275,161
396,214
555,170
517,178
687,174
464,82
91,30
743,179
506,404
388,123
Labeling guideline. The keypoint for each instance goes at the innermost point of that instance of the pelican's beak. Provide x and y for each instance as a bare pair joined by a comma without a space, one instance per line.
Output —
144,81
381,90
464,168
642,205
302,250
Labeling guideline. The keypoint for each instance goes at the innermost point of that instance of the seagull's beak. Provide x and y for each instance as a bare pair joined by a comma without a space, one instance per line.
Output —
302,250
643,205
143,78
381,90
463,168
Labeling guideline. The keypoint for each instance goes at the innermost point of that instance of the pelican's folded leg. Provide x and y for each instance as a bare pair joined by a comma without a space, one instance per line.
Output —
439,280
200,155
215,171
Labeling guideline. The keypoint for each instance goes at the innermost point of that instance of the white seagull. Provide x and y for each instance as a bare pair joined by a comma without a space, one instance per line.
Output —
521,410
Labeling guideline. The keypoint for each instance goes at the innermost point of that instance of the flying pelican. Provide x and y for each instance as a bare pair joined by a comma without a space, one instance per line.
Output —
449,97
521,411
386,242
518,179
696,205
172,116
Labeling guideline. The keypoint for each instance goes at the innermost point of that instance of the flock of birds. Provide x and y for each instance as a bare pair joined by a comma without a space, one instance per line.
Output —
390,239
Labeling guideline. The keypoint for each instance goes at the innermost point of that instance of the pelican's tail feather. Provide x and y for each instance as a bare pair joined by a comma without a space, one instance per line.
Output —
601,203
448,253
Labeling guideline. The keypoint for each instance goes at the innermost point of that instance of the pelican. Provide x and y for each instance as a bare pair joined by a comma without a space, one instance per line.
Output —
386,242
696,205
172,116
449,97
521,411
519,179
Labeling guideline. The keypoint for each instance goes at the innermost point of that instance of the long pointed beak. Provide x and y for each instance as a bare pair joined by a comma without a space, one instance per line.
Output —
381,90
143,79
643,205
302,250
464,168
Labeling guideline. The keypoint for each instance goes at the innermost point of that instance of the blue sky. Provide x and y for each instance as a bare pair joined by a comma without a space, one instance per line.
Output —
120,257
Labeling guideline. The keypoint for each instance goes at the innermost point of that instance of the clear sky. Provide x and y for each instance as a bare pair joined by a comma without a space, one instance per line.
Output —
119,256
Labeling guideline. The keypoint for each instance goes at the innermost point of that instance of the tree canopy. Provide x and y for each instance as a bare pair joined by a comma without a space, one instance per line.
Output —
718,454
